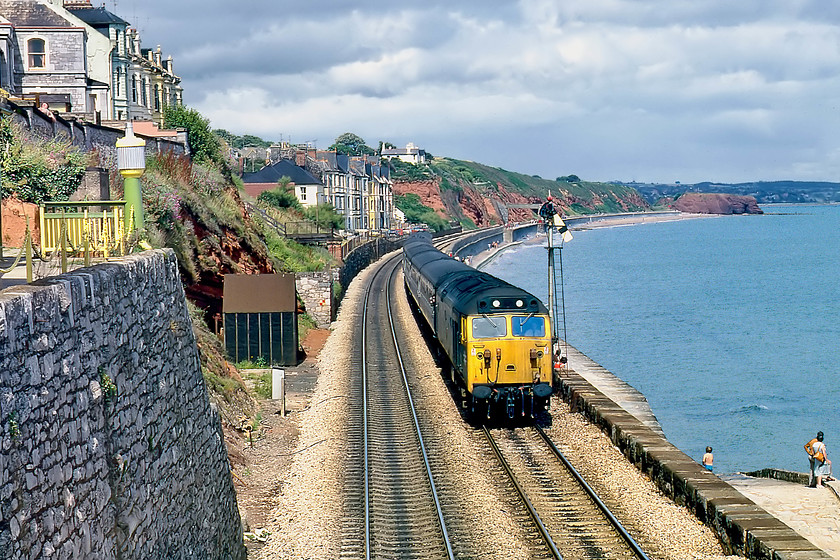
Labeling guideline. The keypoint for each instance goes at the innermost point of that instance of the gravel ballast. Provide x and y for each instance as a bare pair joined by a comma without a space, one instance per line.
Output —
308,516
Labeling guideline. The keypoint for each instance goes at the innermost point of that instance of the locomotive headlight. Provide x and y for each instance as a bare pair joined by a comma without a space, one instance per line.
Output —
519,303
496,303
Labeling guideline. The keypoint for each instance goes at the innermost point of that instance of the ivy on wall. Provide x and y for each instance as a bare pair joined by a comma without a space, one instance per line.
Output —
37,170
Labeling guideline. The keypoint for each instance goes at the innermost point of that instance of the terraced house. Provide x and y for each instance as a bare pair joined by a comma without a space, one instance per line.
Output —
359,188
82,60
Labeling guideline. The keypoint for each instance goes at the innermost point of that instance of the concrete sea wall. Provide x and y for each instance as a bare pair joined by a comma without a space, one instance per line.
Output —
109,447
743,527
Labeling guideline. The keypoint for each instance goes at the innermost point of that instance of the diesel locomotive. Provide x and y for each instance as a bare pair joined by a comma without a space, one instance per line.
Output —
497,336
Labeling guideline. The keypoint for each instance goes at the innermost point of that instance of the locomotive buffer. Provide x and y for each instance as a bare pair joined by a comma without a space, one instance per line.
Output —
554,224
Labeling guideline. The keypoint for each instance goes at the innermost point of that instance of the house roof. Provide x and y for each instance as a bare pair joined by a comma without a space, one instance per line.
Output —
336,161
402,151
29,13
98,18
283,168
357,166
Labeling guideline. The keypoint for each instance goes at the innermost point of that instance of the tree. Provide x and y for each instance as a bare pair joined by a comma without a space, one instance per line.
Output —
281,197
385,146
256,141
204,145
351,145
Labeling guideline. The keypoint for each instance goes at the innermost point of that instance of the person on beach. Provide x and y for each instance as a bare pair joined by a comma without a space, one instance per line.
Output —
708,459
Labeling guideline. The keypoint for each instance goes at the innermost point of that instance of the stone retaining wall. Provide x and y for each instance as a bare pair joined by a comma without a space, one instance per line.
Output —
109,447
360,258
315,289
744,528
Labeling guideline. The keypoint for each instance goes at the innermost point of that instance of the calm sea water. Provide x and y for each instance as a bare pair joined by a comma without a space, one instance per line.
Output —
728,325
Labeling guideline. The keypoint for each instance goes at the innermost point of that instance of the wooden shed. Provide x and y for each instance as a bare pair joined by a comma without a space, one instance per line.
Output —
260,318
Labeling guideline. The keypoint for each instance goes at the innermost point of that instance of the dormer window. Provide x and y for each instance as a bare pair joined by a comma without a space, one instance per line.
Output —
37,53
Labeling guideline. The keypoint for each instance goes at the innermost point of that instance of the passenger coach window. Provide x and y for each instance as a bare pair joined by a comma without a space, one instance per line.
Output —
522,325
489,327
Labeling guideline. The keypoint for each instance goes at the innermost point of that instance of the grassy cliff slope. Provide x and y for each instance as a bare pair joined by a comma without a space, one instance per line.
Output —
477,195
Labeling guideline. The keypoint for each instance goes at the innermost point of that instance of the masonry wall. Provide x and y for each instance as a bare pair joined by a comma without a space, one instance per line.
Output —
315,289
109,447
83,134
360,258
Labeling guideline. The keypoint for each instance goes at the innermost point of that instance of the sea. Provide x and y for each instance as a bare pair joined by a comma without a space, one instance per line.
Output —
728,325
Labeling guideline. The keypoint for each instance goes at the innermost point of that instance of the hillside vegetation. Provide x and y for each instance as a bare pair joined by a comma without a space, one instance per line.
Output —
477,195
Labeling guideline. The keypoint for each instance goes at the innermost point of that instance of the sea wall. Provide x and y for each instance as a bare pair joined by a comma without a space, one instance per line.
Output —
743,527
109,447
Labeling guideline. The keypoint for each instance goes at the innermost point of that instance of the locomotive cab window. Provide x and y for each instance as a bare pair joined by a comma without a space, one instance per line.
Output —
527,325
489,327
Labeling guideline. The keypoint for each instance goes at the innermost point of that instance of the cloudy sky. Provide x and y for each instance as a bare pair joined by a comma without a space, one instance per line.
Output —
646,90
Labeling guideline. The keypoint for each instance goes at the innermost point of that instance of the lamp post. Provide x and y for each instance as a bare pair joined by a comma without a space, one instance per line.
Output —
131,162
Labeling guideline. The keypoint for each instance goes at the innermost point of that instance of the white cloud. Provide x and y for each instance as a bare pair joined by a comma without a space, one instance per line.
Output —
651,89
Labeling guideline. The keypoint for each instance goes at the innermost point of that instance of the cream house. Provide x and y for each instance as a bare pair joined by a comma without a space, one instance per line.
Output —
83,59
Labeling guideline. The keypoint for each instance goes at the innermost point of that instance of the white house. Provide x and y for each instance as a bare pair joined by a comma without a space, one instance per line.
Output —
409,154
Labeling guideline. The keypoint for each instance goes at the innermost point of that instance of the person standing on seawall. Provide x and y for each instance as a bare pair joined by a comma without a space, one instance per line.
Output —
809,449
708,459
822,464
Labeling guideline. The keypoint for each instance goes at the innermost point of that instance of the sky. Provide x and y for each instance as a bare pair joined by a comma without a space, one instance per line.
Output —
626,90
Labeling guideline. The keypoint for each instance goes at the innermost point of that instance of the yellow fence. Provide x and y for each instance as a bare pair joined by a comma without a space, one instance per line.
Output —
89,227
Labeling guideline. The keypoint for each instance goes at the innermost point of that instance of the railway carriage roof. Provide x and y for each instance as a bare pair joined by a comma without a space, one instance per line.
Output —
467,289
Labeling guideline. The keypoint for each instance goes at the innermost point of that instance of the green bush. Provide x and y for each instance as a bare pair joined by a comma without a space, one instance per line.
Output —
281,197
37,170
325,216
417,213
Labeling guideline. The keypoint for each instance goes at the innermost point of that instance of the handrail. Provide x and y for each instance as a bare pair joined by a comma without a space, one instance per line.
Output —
104,231
73,203
271,221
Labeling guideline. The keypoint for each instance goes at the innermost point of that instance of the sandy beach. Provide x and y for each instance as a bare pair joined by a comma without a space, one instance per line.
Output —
617,220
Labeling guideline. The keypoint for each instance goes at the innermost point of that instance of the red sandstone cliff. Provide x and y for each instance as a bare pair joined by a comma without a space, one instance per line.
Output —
715,203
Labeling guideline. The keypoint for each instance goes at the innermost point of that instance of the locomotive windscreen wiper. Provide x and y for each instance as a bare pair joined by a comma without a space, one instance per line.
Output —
486,316
526,319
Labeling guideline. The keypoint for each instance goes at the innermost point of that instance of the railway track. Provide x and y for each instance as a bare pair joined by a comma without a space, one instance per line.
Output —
402,513
407,493
574,522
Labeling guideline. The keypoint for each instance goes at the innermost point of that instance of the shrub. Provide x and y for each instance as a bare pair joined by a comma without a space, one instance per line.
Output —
417,213
280,198
325,216
37,170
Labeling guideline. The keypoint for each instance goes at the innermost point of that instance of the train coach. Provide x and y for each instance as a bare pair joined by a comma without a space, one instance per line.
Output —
497,336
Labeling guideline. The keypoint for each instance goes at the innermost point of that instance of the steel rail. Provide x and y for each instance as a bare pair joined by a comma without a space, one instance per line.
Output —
594,496
365,420
449,551
528,505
